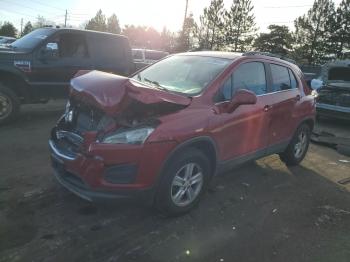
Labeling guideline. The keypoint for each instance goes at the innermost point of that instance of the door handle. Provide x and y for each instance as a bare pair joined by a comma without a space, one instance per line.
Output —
267,108
298,97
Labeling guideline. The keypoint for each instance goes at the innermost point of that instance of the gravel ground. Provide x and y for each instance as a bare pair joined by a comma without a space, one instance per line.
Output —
262,211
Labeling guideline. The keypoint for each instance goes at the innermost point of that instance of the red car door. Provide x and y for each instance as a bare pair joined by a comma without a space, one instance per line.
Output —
244,130
284,97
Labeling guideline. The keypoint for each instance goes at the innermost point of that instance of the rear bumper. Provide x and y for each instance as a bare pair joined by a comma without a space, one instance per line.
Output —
333,111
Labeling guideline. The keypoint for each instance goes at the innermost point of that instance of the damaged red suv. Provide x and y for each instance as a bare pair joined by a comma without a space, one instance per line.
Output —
164,132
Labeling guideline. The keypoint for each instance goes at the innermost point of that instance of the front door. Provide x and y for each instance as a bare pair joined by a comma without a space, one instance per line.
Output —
244,131
57,62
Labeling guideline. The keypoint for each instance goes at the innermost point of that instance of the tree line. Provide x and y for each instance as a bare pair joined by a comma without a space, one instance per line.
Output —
323,32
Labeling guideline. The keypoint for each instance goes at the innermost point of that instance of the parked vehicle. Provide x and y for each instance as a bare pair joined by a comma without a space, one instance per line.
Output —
6,40
333,90
39,66
145,57
162,133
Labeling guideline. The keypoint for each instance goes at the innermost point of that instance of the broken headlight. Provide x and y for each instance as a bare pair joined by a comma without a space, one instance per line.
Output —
129,136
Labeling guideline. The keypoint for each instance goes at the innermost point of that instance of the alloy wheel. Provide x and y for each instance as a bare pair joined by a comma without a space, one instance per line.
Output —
301,144
187,184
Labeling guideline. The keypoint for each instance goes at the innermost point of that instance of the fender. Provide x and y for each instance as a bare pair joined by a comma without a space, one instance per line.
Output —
14,71
183,145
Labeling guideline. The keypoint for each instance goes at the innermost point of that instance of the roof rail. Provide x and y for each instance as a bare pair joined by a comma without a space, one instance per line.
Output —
251,53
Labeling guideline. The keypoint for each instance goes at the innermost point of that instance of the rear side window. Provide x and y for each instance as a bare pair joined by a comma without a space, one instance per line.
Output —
280,78
250,76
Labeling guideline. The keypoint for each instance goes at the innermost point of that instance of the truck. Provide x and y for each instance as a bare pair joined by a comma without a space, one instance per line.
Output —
39,66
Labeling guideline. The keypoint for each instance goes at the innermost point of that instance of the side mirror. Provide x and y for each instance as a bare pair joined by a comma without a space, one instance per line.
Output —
316,84
241,97
50,51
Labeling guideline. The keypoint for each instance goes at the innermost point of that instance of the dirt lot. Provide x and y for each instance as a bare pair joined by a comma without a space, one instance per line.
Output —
262,211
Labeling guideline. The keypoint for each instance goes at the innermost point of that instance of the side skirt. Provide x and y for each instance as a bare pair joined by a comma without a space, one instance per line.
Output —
231,163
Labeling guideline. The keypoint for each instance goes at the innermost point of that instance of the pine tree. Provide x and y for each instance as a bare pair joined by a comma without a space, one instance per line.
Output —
8,29
211,26
278,41
311,31
27,28
113,24
186,37
240,25
97,23
340,29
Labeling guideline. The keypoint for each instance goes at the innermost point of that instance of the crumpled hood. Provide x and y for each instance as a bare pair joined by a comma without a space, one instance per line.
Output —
112,93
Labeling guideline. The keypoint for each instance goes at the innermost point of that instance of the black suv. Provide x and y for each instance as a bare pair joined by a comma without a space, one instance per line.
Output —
39,66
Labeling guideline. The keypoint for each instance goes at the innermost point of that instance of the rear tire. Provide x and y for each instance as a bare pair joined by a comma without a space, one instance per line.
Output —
297,147
9,105
183,181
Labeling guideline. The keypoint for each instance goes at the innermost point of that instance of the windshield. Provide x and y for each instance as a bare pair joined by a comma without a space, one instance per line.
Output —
30,40
185,74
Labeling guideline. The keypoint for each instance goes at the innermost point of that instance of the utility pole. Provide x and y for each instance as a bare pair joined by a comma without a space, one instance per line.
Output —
185,12
65,19
21,26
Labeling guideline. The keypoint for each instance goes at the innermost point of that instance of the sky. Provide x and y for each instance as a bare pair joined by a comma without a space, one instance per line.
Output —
155,13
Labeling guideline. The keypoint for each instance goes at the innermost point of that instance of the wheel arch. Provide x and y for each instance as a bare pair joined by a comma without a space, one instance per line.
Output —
16,83
204,144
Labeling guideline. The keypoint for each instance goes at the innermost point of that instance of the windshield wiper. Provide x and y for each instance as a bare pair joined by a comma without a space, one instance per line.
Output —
155,83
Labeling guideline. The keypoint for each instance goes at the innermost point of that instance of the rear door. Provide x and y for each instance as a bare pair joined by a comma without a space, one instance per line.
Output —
244,131
285,95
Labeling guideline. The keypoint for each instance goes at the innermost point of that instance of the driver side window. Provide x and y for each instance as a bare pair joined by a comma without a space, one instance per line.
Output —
68,45
250,76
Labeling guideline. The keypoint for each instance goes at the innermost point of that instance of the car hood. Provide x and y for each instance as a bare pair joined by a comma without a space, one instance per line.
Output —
113,93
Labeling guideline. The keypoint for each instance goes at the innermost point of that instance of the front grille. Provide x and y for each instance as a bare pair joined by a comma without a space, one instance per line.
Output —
332,97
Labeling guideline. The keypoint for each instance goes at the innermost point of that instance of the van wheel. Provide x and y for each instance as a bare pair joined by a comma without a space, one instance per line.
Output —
298,146
183,182
9,104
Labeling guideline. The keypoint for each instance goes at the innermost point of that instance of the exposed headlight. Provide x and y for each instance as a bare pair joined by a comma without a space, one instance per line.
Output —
67,107
129,136
314,93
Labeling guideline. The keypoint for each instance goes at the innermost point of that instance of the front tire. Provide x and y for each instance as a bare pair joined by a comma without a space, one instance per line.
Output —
298,146
9,105
183,182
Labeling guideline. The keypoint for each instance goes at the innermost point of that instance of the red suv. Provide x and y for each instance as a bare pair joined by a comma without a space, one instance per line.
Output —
167,130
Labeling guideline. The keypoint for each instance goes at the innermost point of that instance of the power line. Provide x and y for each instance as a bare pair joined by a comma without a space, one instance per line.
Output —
26,6
290,6
46,5
16,12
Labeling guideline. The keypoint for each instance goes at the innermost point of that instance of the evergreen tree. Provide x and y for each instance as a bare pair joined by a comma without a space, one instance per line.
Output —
339,28
113,24
215,17
186,37
27,28
278,41
167,40
8,29
97,23
203,31
311,32
240,25
211,26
